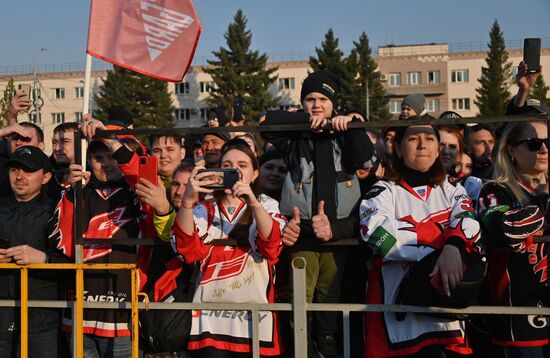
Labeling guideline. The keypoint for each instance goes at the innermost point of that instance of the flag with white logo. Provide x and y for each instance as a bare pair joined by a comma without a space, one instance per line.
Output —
157,38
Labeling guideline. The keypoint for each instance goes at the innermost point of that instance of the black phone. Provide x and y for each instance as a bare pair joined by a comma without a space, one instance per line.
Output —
225,178
238,110
531,54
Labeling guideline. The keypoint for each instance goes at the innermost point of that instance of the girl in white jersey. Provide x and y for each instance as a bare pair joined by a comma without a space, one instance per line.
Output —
239,274
417,211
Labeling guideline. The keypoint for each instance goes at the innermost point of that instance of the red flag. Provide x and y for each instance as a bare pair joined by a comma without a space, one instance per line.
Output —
157,38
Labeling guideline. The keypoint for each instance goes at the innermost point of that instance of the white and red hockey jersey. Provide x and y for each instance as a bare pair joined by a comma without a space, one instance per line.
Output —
403,225
232,274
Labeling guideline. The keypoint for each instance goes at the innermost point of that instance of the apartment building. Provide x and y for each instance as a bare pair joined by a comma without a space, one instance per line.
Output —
448,79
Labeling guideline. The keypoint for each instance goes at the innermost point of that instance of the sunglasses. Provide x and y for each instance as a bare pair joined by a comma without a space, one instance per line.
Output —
533,144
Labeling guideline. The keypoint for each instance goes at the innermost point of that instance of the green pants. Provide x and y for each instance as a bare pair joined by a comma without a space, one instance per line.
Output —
324,273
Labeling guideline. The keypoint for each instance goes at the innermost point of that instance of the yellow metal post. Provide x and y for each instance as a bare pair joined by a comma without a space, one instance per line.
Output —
24,312
79,313
135,317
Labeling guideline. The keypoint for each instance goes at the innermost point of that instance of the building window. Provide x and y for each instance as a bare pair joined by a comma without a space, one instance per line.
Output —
79,92
183,114
414,78
204,114
395,79
459,76
206,87
33,118
394,107
286,83
182,88
461,104
78,116
58,118
433,77
433,105
58,93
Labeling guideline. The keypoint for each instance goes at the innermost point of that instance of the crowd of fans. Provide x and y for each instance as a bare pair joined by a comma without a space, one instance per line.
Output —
444,216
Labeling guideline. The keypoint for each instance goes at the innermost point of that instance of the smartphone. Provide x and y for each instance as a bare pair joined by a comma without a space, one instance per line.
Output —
25,90
238,110
225,178
531,54
148,168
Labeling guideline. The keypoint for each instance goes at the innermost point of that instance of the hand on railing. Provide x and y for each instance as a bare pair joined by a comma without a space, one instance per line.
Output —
23,255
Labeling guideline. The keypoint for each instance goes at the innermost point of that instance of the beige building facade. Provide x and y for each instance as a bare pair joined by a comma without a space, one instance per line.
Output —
447,79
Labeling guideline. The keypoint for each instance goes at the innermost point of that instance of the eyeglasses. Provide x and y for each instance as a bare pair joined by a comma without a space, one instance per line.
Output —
534,144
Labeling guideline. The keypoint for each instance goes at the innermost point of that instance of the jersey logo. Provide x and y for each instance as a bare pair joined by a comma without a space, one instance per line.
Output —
374,192
421,193
106,193
225,269
107,224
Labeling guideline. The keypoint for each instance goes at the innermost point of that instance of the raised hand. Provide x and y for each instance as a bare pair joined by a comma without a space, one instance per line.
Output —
291,232
320,223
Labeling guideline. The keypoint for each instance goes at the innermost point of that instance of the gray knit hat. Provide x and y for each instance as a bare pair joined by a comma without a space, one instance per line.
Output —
415,101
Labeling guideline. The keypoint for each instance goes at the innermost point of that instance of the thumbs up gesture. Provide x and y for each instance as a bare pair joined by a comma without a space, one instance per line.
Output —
291,232
320,223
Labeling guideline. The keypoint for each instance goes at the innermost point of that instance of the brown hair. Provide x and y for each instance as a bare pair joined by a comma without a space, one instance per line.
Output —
457,132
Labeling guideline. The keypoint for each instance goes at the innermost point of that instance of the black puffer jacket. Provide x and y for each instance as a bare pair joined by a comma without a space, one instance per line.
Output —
27,223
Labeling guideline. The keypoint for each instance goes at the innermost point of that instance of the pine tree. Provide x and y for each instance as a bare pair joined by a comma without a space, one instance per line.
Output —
493,94
362,66
146,98
540,90
5,102
331,58
239,72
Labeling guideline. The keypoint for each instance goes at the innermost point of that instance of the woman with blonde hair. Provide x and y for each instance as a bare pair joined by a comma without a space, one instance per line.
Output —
512,211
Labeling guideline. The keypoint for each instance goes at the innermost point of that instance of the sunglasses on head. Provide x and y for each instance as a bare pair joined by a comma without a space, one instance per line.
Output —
533,144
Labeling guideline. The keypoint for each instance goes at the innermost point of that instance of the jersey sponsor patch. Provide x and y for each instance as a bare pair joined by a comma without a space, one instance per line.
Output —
382,240
374,192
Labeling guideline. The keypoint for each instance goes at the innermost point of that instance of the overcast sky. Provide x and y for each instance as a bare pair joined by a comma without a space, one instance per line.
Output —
280,26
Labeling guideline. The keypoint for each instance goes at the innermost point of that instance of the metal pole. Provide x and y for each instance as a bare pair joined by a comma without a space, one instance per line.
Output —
36,101
135,314
367,88
24,312
299,307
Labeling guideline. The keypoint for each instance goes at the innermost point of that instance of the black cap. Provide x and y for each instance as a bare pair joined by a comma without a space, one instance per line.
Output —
323,82
119,116
29,157
223,136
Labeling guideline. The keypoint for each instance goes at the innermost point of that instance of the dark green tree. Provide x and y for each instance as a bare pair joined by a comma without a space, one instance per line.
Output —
5,102
147,99
493,94
362,66
239,72
540,90
331,58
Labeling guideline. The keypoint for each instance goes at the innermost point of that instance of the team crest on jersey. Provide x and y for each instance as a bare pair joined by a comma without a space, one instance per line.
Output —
421,192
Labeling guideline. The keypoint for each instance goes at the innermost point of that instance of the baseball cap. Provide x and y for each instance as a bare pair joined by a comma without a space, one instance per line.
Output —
29,157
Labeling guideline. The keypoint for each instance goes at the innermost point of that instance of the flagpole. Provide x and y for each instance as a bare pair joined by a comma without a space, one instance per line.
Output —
86,104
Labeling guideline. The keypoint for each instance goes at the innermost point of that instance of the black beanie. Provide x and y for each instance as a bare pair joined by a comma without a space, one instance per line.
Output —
119,115
321,81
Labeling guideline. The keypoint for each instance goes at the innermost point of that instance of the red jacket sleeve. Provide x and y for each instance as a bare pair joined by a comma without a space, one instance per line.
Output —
190,248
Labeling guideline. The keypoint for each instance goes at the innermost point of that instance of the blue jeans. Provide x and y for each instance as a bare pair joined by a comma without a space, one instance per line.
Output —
42,344
103,347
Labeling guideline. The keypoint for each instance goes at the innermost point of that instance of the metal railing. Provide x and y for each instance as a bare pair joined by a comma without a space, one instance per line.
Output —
299,305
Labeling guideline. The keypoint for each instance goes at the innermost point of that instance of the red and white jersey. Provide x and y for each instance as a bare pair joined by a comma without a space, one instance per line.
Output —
232,274
403,225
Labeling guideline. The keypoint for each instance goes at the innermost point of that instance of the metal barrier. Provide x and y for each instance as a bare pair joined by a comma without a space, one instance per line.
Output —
298,306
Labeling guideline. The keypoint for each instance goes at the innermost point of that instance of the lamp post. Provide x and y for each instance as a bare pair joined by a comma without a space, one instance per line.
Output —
36,101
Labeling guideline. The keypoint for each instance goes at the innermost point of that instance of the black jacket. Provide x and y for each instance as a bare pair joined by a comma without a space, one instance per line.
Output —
27,223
